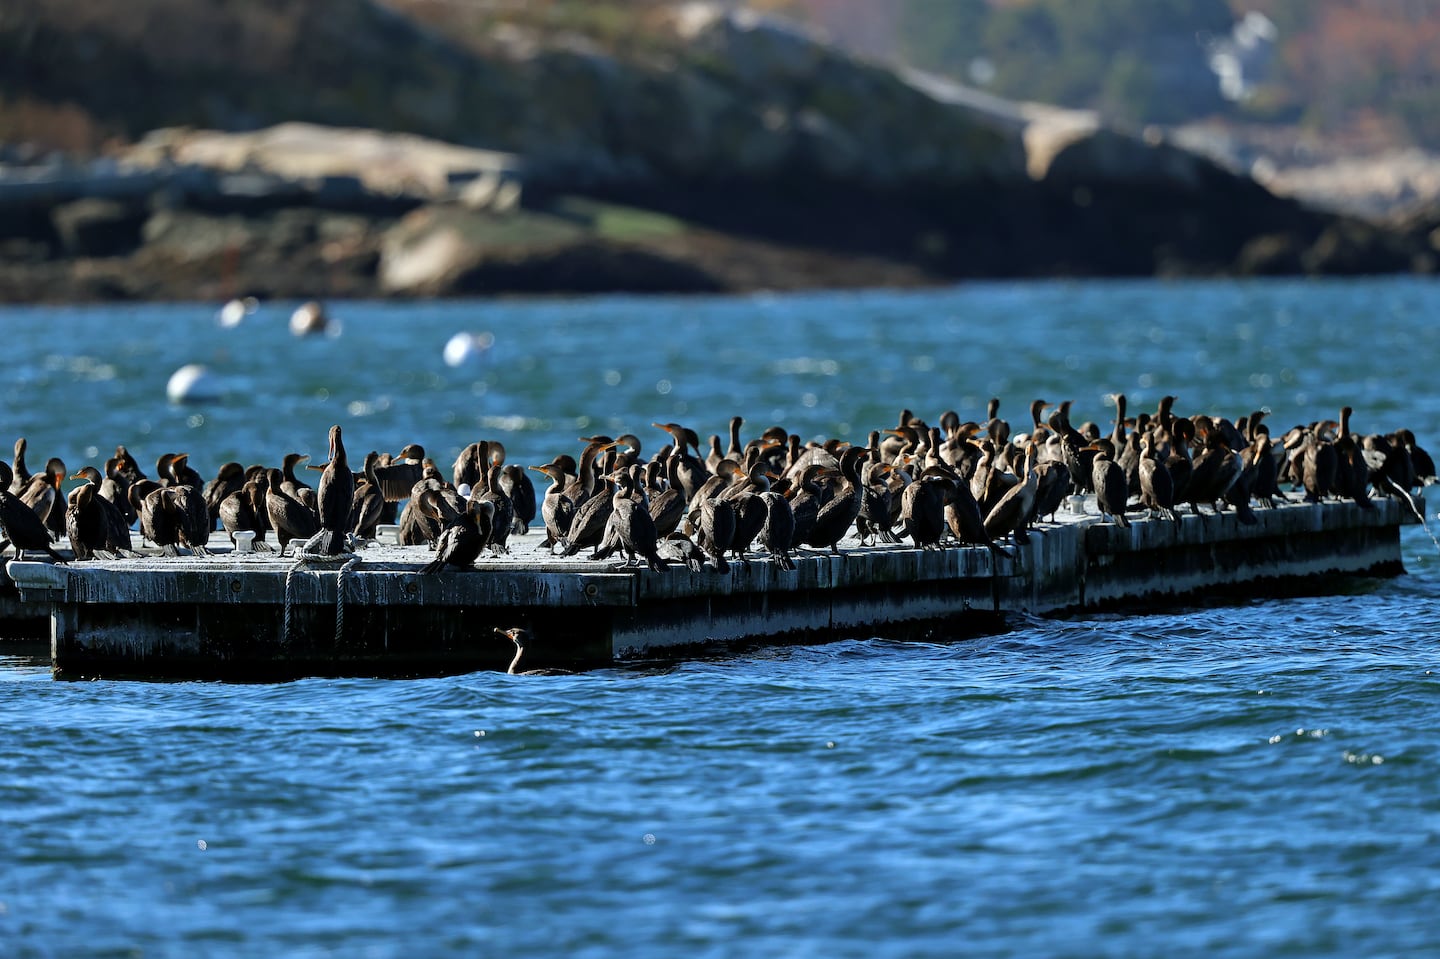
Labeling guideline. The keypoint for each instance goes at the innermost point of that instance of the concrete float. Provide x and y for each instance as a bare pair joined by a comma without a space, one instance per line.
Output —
255,616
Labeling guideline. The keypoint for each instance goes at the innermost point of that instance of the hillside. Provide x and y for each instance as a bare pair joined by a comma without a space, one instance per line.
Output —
1355,72
653,146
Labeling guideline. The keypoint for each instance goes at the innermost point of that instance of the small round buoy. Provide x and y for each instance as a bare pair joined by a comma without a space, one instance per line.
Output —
232,314
309,319
193,383
465,348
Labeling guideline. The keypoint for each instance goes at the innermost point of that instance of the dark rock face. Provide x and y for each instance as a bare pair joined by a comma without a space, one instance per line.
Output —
584,268
98,227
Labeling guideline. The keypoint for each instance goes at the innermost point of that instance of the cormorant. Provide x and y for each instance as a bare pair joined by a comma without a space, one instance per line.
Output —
713,522
228,480
1052,485
515,484
460,542
290,518
520,637
116,528
1112,490
490,490
468,468
556,509
1009,516
163,520
368,501
806,496
584,484
19,474
42,495
587,529
85,523
837,515
23,528
1073,450
678,548
777,536
1352,474
966,520
115,487
667,506
1258,456
189,497
335,498
632,525
294,487
743,494
1213,470
689,469
736,449
1157,488
244,509
922,506
876,517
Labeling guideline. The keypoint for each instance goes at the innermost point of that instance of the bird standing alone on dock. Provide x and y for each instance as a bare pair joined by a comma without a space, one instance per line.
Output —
337,491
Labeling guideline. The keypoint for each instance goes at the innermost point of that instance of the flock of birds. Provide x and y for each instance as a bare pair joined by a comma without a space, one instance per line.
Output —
971,483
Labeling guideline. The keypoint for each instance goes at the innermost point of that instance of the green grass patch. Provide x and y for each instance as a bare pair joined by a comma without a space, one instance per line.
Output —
613,221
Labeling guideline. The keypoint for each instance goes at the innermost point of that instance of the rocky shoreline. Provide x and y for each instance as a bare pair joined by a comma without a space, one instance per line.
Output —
192,236
763,160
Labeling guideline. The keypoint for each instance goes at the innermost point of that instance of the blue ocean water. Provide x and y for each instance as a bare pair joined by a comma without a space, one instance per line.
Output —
1226,779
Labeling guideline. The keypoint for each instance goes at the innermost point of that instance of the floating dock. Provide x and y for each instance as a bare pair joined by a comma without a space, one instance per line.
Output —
256,616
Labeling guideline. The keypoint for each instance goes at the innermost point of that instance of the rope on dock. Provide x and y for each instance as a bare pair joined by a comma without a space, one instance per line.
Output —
306,560
350,564
285,625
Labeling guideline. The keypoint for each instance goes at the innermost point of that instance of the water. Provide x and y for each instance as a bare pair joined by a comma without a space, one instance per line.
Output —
1225,780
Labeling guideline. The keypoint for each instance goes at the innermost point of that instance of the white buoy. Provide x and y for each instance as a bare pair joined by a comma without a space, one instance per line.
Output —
465,348
309,319
232,314
194,383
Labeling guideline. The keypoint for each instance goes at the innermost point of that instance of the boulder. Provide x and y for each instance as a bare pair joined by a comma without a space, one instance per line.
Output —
428,249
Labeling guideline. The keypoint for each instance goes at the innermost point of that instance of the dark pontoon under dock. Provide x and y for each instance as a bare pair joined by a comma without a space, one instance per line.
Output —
256,616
